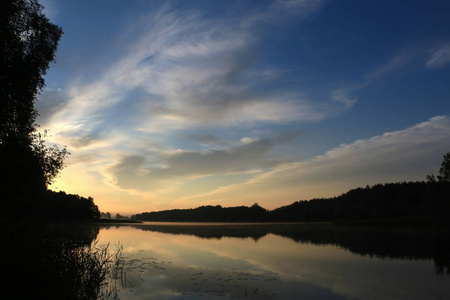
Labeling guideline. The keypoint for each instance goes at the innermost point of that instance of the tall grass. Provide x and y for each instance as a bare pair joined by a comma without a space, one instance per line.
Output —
89,272
58,262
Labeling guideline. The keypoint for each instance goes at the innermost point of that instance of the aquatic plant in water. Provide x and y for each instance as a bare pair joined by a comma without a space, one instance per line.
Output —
89,272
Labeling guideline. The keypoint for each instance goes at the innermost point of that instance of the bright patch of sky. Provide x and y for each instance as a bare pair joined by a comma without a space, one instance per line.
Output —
177,104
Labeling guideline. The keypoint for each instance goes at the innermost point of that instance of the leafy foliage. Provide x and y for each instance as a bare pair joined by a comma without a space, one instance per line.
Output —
28,42
51,159
59,205
444,171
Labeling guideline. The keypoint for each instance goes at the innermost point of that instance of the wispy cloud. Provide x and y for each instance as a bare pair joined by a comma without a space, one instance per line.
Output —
439,57
347,94
394,64
179,70
249,155
380,159
205,139
201,73
50,102
298,7
341,95
279,10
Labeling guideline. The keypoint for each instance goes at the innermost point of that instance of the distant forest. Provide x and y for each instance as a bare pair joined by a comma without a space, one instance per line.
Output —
382,201
412,201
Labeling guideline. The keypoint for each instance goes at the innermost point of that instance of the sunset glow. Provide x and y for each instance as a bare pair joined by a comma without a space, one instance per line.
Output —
178,104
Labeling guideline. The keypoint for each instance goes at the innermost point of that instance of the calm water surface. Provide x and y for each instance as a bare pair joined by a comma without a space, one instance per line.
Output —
243,261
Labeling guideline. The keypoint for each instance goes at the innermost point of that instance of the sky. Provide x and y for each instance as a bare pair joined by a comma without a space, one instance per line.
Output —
179,104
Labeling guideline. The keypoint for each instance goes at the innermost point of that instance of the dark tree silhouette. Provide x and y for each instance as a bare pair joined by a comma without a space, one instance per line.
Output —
444,171
410,202
28,42
50,159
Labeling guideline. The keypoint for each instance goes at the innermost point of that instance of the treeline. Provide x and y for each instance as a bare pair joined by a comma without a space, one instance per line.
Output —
55,205
208,213
382,201
107,216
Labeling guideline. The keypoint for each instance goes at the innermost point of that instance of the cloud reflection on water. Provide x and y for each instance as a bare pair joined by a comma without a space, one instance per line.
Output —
278,267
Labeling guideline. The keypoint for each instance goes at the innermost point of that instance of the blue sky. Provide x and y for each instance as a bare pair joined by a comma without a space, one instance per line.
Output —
176,104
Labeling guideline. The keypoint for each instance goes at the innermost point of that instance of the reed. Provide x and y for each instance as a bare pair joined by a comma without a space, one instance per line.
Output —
58,261
88,272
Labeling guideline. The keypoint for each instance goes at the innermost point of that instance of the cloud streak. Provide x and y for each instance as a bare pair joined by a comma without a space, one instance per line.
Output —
440,57
250,155
385,158
182,71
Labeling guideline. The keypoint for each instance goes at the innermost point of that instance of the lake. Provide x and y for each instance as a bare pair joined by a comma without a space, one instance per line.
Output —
280,261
